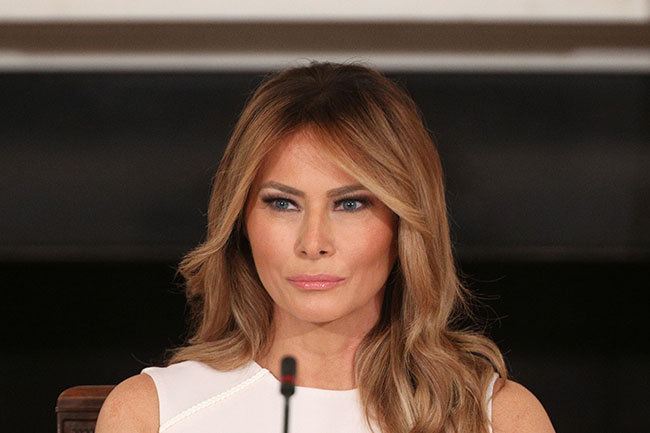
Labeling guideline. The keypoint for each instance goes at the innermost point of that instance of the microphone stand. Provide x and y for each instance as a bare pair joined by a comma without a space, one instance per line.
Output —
287,385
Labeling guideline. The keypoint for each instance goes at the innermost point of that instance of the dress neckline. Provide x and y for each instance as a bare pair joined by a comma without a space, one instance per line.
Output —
307,389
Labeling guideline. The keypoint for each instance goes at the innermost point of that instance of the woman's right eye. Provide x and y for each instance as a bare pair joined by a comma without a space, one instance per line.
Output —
279,203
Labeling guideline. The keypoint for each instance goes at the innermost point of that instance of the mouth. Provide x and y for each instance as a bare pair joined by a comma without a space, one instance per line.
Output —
316,282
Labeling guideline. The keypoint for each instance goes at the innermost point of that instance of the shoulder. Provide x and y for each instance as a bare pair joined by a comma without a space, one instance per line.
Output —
186,382
131,407
160,396
516,409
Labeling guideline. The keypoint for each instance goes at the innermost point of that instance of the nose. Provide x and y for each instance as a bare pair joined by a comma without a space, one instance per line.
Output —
315,238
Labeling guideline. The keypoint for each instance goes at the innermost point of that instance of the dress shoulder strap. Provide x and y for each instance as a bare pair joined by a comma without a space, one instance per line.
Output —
489,393
188,387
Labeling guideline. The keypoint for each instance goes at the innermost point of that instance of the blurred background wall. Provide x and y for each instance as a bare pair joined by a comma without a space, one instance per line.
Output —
113,118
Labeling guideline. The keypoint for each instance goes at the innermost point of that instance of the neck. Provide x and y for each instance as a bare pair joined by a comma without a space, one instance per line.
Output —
324,352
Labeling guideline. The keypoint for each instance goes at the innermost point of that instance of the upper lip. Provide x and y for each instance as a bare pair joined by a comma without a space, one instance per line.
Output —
316,277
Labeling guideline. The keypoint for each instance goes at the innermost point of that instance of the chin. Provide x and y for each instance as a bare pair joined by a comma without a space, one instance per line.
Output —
317,316
326,308
317,312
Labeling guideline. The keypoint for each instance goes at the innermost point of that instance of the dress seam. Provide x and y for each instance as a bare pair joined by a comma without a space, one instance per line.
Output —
210,401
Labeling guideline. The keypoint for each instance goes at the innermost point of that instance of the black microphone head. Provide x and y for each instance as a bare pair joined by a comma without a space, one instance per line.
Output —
288,376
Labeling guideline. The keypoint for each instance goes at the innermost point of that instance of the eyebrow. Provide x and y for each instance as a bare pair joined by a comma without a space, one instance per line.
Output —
331,193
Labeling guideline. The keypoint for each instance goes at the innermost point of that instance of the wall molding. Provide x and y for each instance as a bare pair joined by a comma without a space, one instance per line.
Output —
403,47
609,11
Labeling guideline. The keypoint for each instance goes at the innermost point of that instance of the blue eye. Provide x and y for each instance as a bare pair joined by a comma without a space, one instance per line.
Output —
279,203
350,204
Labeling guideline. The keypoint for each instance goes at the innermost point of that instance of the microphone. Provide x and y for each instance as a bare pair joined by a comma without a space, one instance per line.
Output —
287,385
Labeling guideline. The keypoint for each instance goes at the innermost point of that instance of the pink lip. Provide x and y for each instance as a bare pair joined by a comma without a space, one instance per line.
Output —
315,282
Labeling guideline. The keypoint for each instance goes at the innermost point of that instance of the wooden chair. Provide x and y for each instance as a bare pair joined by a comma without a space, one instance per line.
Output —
77,408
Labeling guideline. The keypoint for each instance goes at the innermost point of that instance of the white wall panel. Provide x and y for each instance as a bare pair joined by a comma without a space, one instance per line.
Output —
336,10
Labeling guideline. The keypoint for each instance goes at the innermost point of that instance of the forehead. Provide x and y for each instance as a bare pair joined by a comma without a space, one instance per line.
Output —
300,158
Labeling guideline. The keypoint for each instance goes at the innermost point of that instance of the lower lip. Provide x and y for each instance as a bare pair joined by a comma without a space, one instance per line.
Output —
315,285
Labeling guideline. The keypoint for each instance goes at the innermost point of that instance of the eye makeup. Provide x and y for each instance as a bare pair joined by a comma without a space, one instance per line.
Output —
365,202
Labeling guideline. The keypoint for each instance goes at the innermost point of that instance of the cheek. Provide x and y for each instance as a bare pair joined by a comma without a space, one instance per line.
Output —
270,244
369,246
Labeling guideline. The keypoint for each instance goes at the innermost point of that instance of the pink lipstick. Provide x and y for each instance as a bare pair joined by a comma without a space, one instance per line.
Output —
315,282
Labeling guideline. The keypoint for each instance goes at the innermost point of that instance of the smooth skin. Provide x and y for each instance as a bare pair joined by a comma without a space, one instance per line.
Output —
307,231
316,230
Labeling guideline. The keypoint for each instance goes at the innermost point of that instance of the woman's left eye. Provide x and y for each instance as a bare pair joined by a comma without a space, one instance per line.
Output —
352,204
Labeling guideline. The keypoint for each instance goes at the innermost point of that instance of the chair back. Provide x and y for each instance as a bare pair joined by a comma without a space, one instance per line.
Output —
77,408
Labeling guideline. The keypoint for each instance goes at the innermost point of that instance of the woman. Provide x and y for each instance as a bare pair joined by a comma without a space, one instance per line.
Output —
327,240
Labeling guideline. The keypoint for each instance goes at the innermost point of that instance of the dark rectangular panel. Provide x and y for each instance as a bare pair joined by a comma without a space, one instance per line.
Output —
113,166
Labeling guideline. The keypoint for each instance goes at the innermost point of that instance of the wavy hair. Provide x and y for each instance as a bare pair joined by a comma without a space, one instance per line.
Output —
417,370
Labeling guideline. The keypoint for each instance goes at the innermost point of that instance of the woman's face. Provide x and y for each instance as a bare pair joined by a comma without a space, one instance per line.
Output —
306,219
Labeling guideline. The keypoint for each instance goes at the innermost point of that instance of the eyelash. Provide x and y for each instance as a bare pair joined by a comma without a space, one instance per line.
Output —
363,200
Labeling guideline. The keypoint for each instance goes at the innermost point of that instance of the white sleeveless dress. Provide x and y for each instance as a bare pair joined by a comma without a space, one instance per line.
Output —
195,398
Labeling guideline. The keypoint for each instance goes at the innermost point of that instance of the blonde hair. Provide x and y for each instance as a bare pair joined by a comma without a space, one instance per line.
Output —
416,372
